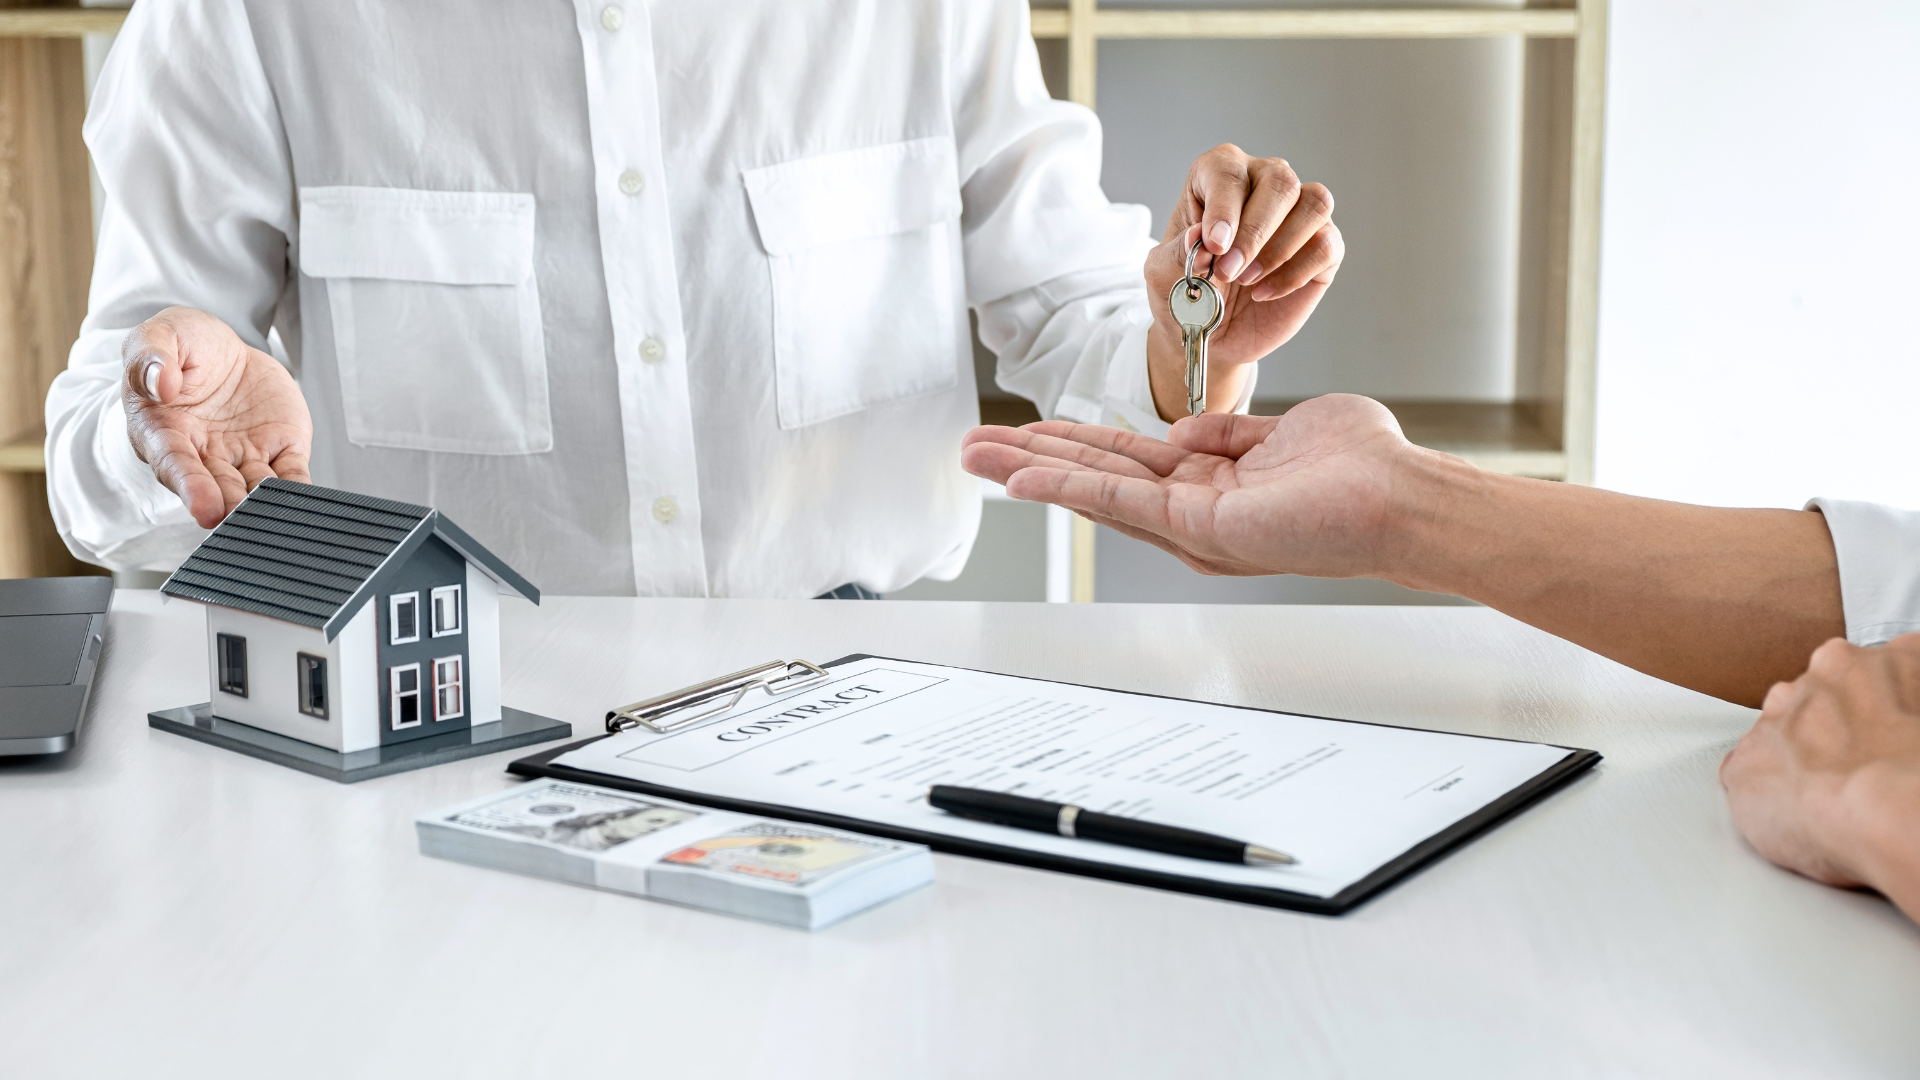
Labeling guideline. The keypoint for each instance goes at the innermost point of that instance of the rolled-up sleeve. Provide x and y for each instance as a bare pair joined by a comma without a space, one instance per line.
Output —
1878,548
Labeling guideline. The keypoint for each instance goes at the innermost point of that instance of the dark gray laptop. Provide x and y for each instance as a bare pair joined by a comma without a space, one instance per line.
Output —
51,630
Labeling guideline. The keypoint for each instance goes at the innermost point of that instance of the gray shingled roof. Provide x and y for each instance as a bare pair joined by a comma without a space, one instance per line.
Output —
314,556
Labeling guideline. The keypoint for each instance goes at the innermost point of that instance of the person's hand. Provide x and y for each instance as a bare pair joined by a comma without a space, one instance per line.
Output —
212,415
1311,492
1827,783
1273,248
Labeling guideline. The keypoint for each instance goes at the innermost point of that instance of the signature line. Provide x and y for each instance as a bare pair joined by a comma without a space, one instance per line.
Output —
1431,782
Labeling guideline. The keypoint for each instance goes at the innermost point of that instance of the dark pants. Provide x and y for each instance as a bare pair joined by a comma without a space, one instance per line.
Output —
850,592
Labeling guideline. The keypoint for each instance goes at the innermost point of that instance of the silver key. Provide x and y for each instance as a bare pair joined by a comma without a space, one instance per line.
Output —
1196,306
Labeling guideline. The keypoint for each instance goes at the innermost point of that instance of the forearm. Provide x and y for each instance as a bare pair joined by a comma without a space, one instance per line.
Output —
1723,601
1167,373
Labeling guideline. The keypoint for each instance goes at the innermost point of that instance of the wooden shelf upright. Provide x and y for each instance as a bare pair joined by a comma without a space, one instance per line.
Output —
46,259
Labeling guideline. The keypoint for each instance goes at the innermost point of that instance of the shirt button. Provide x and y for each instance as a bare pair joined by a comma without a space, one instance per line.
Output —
631,182
612,17
665,510
651,349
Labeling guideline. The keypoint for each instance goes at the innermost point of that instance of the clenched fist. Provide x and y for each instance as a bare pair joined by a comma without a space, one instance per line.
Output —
1828,781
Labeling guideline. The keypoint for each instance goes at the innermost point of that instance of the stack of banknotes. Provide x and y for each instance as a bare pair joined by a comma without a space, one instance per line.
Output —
760,868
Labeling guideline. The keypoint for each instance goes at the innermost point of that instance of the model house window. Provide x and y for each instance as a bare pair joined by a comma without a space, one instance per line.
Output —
448,698
404,683
446,610
233,663
403,621
311,675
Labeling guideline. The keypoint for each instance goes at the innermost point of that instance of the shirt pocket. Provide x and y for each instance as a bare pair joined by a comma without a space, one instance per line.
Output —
865,260
436,316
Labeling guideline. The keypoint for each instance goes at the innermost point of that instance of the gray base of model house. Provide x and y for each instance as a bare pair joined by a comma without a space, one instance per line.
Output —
514,729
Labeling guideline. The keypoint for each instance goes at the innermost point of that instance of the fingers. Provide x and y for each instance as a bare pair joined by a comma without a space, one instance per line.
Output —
177,464
291,465
1254,213
1124,499
179,355
1227,435
1167,262
1832,659
231,483
1274,202
256,462
998,461
1779,698
1262,226
1091,445
1308,210
1127,453
1219,183
151,353
1314,263
211,481
253,470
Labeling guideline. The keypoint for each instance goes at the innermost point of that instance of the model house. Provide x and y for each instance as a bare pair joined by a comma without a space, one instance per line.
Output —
348,621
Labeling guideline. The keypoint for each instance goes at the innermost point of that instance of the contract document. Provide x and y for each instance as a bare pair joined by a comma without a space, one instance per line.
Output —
1359,805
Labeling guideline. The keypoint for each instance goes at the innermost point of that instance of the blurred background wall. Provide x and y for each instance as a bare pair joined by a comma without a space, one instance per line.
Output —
1759,286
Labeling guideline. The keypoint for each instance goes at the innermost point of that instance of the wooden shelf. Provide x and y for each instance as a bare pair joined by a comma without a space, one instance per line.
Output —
1336,23
28,453
1008,412
59,22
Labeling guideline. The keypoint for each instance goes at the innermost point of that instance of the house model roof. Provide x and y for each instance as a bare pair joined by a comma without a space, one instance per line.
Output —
314,556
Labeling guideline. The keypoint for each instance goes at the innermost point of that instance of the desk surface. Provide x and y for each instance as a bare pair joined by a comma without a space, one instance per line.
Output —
172,909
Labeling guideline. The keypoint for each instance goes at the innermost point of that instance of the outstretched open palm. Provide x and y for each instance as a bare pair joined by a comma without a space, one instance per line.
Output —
212,415
1304,493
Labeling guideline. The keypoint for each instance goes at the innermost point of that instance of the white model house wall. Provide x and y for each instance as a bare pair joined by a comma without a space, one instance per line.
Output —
273,702
483,647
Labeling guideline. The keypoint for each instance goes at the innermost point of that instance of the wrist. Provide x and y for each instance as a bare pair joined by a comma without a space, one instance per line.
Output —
1167,376
1437,510
1875,837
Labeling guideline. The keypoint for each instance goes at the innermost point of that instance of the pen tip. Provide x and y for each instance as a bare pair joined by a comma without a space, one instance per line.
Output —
1266,856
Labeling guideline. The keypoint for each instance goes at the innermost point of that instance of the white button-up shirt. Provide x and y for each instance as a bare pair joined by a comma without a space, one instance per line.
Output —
1878,548
658,298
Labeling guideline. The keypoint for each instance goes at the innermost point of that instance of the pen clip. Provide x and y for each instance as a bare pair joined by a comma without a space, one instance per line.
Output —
776,677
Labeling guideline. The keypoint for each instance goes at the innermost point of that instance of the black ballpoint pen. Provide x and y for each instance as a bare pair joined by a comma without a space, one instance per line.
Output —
1066,819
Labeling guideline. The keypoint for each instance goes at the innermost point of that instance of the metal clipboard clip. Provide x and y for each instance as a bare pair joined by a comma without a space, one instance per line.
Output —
776,677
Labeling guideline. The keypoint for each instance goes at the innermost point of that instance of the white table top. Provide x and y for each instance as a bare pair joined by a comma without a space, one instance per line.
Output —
174,909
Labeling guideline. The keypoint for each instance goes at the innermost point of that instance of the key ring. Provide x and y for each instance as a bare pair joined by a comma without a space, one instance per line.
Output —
1193,291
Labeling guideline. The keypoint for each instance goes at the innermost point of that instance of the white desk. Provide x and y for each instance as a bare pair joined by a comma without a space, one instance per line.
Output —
172,909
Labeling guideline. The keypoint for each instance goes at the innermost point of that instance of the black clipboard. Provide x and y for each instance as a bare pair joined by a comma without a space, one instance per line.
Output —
1392,873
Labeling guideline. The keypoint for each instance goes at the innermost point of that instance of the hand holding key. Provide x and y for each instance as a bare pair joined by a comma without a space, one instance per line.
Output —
1267,245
